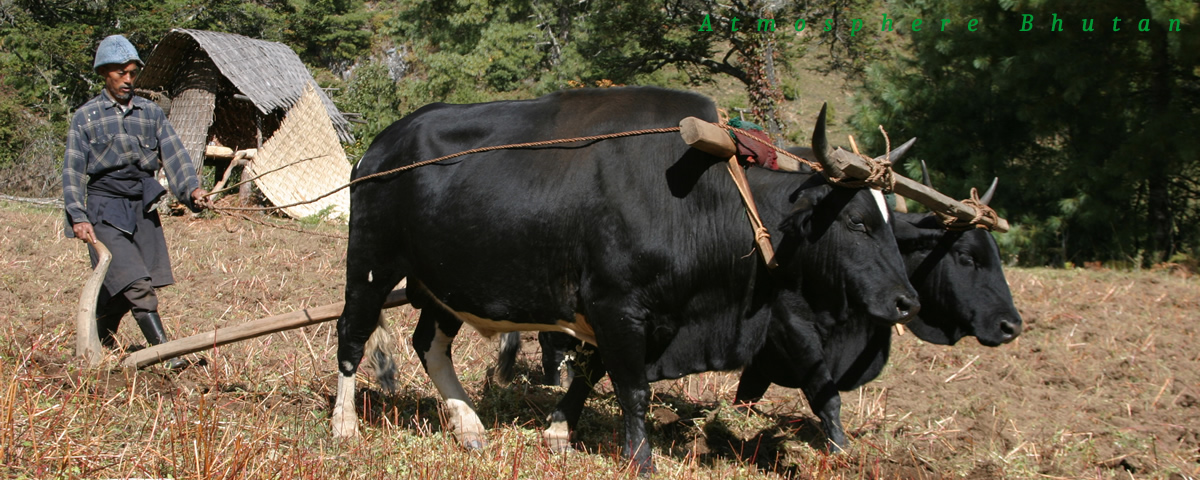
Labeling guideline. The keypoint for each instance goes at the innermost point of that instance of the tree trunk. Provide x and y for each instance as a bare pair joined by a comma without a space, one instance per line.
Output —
763,86
1159,198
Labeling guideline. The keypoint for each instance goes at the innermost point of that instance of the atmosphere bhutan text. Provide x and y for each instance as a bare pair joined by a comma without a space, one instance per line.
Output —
889,24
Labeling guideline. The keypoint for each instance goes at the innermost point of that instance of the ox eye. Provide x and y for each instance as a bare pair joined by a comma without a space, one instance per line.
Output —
966,259
856,223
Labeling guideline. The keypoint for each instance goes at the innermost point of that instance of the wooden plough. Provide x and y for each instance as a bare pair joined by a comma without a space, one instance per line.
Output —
87,339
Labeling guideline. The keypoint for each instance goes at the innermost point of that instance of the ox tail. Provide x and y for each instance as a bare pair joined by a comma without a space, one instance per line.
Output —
506,361
381,351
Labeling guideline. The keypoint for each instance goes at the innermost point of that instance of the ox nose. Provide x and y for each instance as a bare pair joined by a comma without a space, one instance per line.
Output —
907,307
1009,329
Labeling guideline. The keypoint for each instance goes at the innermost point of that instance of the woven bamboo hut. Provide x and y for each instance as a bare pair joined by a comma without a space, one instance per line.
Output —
237,92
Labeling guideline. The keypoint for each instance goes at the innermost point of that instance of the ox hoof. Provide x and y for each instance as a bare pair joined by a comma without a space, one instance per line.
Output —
558,437
558,445
345,432
472,441
646,470
344,428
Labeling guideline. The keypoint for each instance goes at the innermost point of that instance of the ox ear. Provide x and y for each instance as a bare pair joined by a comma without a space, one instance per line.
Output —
800,219
917,232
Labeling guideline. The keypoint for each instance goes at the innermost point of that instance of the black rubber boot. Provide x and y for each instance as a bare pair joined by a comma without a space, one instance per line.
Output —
151,325
152,328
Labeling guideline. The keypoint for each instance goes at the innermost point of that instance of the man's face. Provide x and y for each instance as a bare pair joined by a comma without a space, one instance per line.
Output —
118,80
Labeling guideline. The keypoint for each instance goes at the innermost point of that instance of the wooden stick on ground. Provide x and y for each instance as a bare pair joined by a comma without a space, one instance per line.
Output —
245,331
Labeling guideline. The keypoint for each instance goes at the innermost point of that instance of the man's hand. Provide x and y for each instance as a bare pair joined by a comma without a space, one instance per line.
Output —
83,231
200,198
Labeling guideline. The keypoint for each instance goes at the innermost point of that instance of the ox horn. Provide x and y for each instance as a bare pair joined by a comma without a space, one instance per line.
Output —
897,152
987,197
925,175
821,148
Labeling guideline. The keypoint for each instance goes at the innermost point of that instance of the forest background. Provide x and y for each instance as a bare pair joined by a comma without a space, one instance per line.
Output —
1094,135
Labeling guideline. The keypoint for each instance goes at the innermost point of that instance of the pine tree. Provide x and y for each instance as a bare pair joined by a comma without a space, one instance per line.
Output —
1089,131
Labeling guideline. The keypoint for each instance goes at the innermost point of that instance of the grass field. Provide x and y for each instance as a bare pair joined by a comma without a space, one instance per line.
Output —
1104,383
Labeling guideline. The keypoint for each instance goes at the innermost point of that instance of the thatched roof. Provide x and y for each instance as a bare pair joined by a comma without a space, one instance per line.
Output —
303,161
269,73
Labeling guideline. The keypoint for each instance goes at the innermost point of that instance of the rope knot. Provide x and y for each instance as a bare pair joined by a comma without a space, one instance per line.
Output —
982,211
881,175
760,233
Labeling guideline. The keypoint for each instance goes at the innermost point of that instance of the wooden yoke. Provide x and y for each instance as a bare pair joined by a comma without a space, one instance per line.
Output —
839,163
856,167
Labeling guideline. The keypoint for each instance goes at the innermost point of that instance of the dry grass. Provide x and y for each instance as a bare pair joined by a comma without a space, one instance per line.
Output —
1104,384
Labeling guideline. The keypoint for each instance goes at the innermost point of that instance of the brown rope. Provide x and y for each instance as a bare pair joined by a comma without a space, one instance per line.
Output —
224,211
879,171
982,212
881,175
256,177
543,143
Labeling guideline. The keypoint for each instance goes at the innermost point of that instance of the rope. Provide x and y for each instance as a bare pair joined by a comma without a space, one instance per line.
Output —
880,171
282,227
982,212
543,143
880,176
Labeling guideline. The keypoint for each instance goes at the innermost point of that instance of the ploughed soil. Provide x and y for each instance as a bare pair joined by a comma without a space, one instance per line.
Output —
1103,383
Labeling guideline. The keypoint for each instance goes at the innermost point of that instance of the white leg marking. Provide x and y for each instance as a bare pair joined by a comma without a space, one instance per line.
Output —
440,368
882,202
345,419
558,437
370,276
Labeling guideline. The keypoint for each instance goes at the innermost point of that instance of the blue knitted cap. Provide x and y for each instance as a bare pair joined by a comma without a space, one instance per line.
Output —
116,49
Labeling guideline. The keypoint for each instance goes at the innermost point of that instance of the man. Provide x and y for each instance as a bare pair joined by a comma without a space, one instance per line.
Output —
115,144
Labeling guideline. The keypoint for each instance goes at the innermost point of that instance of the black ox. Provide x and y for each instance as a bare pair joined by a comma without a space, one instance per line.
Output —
963,292
962,289
637,245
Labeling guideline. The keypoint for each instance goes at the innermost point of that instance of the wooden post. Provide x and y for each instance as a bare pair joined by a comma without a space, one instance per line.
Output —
244,191
256,328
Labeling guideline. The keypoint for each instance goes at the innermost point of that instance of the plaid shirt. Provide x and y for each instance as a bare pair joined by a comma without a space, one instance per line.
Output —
104,138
